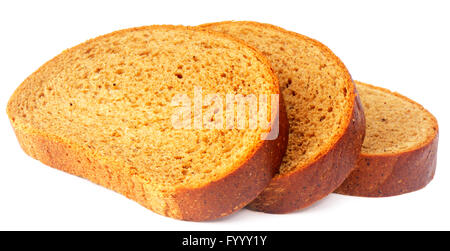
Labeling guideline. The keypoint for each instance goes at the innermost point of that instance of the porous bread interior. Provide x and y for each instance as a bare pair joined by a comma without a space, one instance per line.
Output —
112,96
315,88
393,123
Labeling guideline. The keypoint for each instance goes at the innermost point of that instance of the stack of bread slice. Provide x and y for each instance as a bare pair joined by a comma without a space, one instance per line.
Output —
104,110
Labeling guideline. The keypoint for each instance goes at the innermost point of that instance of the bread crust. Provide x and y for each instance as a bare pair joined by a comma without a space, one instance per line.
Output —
216,199
321,176
383,175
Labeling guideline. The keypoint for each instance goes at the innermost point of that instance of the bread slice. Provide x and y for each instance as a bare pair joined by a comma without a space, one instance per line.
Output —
102,110
400,149
324,112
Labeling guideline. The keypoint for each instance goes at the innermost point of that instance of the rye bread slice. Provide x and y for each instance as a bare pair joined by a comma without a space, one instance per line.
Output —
324,112
400,149
102,110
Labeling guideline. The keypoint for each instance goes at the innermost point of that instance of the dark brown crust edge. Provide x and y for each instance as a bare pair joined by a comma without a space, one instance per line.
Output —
393,174
217,199
302,188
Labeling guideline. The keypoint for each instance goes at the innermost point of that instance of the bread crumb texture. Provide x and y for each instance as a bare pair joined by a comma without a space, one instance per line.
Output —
394,123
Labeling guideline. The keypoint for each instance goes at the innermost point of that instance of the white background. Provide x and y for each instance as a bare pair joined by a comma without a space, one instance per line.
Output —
400,45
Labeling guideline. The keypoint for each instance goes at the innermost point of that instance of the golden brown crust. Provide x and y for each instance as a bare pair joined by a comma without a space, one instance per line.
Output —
216,199
323,174
382,175
303,187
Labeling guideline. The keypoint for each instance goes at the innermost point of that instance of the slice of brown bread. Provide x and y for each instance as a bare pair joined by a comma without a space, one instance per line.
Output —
102,110
400,149
324,112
